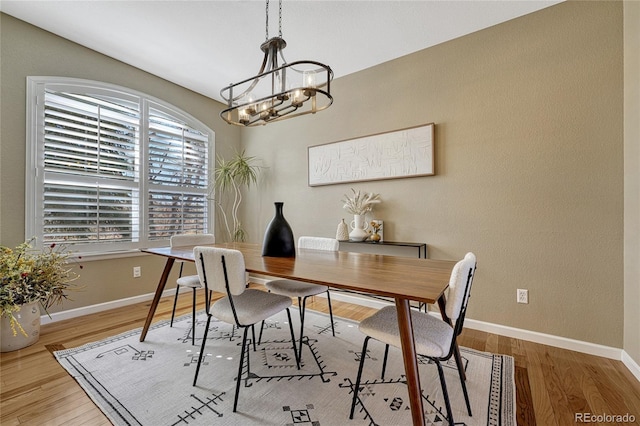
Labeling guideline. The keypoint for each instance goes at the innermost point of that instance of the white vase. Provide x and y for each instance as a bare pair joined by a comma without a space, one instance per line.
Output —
342,233
359,228
29,319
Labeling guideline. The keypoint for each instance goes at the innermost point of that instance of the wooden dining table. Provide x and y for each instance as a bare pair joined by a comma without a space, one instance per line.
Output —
402,279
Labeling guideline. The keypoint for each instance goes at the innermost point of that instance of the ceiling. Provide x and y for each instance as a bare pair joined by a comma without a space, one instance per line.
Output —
206,45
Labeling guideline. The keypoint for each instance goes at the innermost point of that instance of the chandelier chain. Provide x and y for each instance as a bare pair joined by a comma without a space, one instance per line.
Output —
266,37
280,19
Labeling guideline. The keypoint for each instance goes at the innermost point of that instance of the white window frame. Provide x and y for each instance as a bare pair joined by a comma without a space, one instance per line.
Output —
35,176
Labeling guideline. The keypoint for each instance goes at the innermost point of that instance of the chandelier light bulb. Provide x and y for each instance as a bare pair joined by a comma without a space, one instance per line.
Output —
309,79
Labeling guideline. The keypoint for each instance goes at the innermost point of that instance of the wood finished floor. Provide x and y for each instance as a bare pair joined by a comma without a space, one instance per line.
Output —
551,384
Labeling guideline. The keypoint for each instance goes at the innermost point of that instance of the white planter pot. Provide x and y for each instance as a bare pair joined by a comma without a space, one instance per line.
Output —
29,318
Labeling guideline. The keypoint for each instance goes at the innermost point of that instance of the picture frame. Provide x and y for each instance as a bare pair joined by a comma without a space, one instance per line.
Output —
397,154
381,231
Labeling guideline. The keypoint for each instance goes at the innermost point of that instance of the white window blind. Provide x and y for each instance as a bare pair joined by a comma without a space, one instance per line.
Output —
177,177
113,169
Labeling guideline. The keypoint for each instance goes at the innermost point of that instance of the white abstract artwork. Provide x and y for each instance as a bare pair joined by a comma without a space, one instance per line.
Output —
397,154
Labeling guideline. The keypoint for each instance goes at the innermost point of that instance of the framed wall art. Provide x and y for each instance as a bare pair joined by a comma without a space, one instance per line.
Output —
392,155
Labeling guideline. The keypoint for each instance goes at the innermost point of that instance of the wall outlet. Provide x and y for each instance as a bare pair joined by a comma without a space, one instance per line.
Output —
523,296
137,272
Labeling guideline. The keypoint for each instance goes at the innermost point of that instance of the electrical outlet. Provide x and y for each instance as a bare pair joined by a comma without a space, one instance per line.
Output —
137,272
523,296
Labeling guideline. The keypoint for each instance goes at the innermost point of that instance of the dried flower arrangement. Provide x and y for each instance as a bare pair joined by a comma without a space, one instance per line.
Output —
28,275
361,202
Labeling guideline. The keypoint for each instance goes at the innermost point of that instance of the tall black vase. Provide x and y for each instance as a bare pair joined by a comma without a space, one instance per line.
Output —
278,238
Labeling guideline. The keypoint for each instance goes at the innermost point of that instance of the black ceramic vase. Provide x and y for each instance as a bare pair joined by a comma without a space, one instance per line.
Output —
278,238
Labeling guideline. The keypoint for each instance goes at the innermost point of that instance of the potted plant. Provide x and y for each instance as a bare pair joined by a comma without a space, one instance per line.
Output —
230,177
359,205
29,278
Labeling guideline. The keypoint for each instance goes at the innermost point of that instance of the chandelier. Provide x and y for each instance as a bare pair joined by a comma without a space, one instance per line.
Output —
278,91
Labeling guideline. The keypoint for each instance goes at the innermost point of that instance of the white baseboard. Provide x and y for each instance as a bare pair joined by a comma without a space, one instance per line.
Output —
502,330
101,307
546,339
631,365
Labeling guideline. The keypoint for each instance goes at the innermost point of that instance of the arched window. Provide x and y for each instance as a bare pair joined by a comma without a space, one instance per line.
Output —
111,169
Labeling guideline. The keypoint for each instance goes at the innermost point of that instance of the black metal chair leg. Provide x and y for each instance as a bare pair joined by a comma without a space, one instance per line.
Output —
246,379
333,330
239,378
355,390
293,340
253,336
193,319
445,394
384,362
175,302
261,328
204,341
302,311
464,389
175,299
207,300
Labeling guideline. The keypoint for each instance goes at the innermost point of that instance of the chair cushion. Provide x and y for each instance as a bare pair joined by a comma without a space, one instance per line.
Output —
459,282
432,335
252,306
293,288
209,266
192,281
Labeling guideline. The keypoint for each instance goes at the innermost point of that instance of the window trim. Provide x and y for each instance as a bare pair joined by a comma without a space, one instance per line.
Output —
34,176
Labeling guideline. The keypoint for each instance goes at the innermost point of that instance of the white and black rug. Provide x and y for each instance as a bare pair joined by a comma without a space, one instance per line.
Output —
150,382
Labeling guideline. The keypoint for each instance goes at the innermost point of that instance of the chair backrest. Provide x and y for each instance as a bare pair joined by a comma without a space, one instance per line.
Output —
318,243
460,289
220,269
191,239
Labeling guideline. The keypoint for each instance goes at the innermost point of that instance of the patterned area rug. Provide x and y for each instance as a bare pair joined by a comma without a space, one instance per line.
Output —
150,382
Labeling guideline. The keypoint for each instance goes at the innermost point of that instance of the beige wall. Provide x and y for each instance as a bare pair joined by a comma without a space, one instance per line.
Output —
632,179
529,164
27,50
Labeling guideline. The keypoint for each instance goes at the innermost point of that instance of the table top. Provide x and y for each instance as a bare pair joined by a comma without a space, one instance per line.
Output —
422,280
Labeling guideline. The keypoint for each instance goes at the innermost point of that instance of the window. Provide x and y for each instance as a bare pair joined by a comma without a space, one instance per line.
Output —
112,169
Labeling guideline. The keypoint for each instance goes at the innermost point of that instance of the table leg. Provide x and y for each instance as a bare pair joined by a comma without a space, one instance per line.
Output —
410,361
442,302
157,296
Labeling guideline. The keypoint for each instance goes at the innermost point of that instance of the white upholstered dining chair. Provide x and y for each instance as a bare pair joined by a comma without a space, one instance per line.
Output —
189,281
434,338
223,270
302,290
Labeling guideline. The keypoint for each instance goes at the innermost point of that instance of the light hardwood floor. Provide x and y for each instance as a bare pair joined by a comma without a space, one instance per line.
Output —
551,384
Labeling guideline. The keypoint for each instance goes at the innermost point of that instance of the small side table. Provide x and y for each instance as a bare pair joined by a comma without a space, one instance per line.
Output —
392,248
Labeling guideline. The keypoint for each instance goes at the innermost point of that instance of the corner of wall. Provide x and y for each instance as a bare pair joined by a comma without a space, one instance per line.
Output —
631,343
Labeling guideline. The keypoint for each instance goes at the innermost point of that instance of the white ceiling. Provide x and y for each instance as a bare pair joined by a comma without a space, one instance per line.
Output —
206,45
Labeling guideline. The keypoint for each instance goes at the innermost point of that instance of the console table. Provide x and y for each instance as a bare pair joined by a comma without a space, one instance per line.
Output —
392,248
